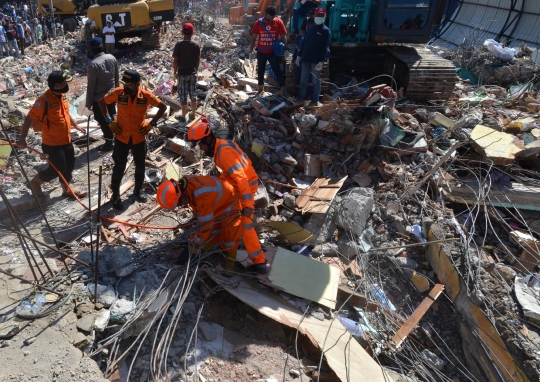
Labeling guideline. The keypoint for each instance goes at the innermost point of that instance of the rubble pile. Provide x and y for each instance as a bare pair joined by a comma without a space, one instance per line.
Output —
419,219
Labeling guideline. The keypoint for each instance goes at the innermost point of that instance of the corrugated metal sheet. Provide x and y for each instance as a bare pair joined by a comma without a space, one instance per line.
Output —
511,21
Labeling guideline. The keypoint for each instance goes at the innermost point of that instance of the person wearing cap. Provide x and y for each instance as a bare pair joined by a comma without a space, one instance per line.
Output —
312,54
237,170
216,204
103,77
109,31
130,130
273,30
52,110
186,58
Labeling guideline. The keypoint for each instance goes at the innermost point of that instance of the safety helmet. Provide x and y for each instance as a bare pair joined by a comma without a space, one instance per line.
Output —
168,194
198,131
319,12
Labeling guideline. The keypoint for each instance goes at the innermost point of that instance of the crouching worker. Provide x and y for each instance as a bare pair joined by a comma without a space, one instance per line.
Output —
217,207
51,111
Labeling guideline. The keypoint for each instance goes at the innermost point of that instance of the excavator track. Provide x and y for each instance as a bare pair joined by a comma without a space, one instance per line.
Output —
430,77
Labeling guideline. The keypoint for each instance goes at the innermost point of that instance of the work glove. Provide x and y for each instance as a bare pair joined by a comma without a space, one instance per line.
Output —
115,127
145,128
297,62
318,67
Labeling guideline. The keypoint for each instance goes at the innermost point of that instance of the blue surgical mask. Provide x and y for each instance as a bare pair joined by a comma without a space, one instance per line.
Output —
319,20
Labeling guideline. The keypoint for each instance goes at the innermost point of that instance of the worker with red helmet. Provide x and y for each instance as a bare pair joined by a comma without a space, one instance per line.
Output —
237,169
217,206
312,54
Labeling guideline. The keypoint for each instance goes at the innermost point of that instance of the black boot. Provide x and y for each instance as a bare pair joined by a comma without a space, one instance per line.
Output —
140,196
108,146
261,269
117,202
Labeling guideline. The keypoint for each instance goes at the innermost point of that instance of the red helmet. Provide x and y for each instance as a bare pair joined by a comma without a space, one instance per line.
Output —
319,12
199,130
168,194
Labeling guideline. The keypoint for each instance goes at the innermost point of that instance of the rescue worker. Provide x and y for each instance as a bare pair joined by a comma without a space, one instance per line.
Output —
130,130
237,169
217,206
52,111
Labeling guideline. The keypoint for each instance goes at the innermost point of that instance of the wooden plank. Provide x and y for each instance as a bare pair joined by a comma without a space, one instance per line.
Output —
304,197
344,356
356,299
123,188
415,318
318,197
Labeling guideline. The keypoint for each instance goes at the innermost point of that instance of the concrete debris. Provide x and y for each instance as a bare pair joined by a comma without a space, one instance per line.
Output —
432,360
354,210
121,261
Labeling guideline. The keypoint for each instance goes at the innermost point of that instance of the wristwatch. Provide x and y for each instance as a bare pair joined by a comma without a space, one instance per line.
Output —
153,123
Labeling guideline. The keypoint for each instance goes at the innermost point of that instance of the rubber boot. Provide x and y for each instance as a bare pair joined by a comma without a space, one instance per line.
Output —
107,146
230,263
115,198
73,192
193,110
260,91
260,269
35,185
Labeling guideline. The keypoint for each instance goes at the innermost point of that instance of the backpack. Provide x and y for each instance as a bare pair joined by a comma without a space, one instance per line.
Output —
36,123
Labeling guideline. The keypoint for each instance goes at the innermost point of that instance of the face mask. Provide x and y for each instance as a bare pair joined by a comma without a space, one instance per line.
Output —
319,20
65,89
267,19
129,91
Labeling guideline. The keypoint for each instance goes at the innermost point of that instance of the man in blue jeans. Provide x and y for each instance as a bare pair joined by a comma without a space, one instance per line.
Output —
272,30
312,54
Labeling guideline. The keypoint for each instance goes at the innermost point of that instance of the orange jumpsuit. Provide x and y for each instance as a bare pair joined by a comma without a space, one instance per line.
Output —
217,207
237,169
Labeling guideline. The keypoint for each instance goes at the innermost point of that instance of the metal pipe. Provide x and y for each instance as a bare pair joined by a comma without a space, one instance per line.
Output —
44,244
98,236
23,171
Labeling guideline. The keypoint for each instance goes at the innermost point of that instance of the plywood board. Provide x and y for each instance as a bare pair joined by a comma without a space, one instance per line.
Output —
292,232
344,354
304,277
317,198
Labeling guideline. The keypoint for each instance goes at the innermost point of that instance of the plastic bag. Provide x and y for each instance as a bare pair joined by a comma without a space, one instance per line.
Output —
500,53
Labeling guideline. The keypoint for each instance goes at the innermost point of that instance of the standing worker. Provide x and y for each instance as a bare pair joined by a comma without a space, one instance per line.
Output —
269,29
312,54
186,58
88,36
130,131
217,207
52,110
109,31
102,78
237,169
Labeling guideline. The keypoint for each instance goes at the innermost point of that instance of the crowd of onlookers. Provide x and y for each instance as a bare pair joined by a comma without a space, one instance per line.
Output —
18,29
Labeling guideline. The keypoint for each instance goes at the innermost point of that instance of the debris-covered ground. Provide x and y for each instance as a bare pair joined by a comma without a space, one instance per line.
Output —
402,237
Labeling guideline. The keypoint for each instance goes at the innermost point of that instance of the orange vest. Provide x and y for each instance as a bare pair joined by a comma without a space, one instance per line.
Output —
131,112
237,169
56,124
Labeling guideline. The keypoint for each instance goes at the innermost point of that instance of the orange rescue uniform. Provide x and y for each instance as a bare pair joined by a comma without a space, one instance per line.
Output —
131,112
56,124
217,207
238,170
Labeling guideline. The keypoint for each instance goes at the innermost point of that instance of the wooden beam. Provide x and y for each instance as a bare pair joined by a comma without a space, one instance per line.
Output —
356,300
415,318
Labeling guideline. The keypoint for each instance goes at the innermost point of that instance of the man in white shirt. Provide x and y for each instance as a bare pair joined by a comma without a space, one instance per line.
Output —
109,32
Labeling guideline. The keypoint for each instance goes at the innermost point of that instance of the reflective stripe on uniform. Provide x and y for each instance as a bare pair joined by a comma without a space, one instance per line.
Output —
253,182
232,169
215,232
228,244
205,218
218,188
232,145
197,240
246,197
247,226
254,254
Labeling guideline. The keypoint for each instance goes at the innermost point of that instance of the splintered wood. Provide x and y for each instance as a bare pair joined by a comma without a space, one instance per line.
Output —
415,318
317,198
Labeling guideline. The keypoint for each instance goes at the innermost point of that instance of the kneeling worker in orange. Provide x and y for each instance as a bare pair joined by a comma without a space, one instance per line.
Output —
237,169
217,208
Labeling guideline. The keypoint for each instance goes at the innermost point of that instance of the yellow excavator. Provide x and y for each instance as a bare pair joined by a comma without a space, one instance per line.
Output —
129,18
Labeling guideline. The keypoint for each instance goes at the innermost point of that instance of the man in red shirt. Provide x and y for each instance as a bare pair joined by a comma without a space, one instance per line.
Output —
275,29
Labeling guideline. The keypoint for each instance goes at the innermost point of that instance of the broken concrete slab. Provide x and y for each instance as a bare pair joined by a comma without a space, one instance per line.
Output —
106,294
354,210
101,319
86,323
121,261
